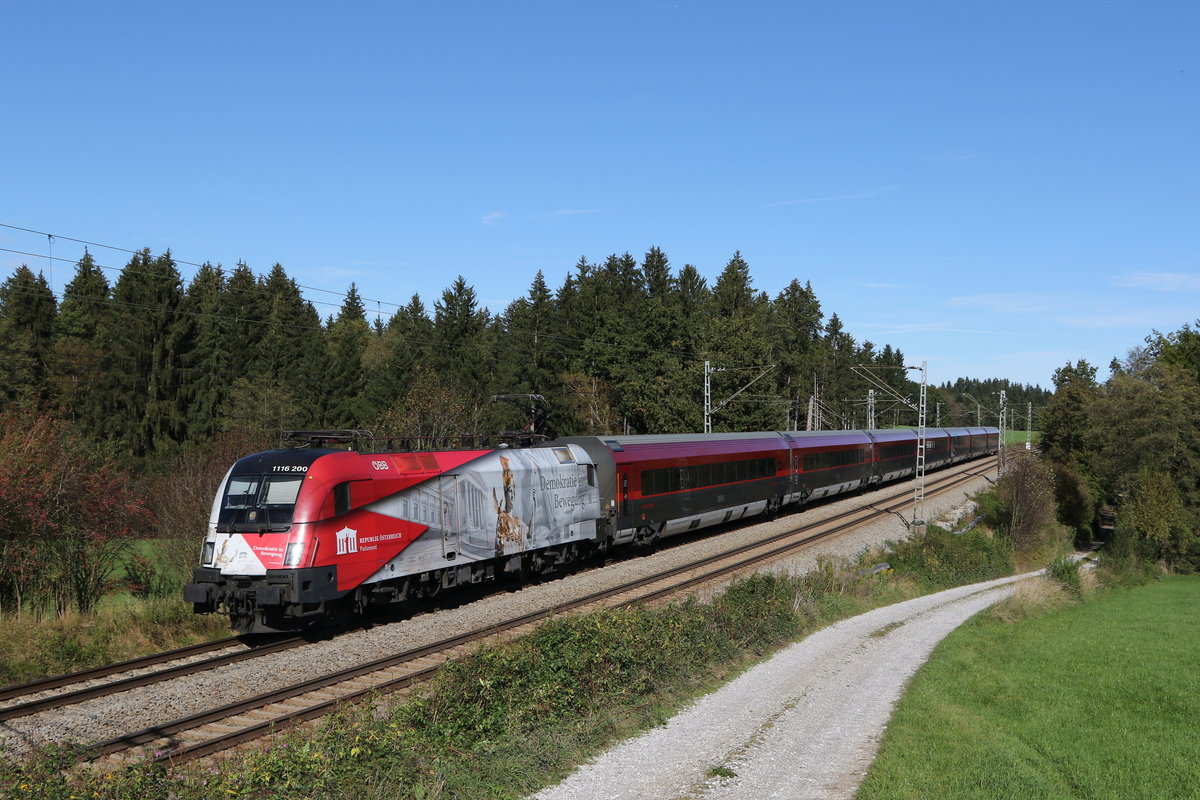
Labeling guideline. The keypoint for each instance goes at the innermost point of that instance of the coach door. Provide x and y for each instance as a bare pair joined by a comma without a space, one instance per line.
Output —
447,515
793,466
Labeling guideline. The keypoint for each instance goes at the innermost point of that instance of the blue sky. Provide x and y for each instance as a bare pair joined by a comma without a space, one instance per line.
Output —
995,188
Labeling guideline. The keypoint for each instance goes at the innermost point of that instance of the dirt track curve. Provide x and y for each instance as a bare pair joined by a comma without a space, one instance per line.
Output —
805,724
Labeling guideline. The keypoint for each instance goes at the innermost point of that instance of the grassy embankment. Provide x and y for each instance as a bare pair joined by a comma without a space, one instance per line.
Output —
1019,437
518,715
1098,700
141,613
122,627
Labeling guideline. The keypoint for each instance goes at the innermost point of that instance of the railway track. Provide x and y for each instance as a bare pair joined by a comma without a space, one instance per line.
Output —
202,734
185,667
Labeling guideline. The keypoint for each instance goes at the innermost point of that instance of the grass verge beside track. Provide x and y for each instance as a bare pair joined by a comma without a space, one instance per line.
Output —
515,716
123,627
1097,700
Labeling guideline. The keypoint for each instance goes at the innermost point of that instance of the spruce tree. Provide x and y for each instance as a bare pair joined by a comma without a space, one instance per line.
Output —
394,355
84,302
663,399
348,337
795,340
206,359
244,305
27,311
462,351
79,360
286,385
836,376
736,339
693,294
138,404
529,348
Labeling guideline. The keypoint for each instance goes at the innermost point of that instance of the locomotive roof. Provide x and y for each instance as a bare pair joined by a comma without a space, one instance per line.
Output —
266,460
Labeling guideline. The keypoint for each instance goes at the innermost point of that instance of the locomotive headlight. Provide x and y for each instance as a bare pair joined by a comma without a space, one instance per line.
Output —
295,551
209,547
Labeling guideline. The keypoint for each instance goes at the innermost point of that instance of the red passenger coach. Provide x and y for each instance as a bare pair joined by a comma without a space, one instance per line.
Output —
662,485
830,462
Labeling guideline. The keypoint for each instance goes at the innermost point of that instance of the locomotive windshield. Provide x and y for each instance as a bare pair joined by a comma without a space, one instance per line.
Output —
258,503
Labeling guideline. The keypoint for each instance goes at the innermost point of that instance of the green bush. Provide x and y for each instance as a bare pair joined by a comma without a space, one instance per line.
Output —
1065,571
939,560
1076,501
146,578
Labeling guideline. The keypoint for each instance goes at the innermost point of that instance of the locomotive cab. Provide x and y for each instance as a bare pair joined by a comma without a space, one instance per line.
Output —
253,563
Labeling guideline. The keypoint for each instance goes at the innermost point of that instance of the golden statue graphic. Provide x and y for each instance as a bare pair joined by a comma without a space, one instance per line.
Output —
509,527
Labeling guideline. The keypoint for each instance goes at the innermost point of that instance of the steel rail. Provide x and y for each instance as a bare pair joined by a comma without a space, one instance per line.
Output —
57,681
125,684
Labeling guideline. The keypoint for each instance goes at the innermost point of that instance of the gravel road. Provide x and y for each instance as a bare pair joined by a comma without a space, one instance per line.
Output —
805,724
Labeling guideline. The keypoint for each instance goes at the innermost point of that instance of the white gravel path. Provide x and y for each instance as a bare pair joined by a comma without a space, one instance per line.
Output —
805,724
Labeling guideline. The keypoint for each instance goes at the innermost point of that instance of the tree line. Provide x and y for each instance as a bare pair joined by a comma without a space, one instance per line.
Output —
1132,443
147,363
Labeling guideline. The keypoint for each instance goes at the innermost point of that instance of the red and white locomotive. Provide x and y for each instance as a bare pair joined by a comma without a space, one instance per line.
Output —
299,535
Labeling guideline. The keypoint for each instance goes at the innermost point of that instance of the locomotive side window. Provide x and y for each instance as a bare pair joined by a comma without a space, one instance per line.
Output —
341,498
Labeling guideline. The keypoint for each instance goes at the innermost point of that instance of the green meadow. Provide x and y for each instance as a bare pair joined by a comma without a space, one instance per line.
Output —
1096,700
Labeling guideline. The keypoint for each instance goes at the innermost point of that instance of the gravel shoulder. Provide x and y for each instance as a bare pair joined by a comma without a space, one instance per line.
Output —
805,724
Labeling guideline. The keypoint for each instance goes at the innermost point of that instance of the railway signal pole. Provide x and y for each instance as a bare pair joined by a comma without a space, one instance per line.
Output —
1029,425
1002,463
918,521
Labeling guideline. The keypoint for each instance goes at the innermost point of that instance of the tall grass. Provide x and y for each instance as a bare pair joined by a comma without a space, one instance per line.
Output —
121,628
1094,700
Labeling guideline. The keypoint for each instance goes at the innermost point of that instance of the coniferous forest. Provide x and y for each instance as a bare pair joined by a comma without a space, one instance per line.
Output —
123,402
145,362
